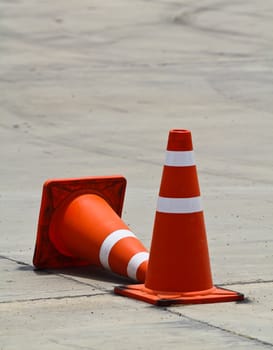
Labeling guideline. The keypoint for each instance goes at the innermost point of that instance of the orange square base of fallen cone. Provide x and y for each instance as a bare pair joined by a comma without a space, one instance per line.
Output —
55,192
213,295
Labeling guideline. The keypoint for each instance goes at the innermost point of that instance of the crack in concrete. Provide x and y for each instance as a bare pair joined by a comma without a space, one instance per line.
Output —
56,273
259,281
208,324
52,298
3,257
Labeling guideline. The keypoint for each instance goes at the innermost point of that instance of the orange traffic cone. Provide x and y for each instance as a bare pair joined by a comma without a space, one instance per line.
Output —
179,268
80,224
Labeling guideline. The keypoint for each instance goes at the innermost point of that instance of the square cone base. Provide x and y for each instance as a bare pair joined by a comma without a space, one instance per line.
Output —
55,192
213,295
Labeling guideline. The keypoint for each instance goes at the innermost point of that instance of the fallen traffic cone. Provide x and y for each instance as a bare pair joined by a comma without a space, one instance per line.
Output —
179,268
80,224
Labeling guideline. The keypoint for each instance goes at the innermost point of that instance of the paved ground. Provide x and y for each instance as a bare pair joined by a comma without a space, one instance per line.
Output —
92,88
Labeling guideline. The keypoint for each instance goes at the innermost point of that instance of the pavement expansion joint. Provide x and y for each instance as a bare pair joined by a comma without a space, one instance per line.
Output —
52,298
208,324
19,262
246,282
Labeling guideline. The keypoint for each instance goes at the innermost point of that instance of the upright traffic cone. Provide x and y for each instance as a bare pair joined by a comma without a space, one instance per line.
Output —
179,268
80,224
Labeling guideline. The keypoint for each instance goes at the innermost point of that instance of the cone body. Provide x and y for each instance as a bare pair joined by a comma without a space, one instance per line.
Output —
179,268
80,224
179,229
89,229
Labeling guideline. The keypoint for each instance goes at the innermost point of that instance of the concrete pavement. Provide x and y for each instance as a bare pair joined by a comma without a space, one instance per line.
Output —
92,88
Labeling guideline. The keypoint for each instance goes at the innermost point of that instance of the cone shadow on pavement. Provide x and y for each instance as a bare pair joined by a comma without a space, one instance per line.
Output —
90,273
179,267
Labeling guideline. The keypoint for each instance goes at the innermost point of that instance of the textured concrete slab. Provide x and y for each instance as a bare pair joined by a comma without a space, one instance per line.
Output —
21,282
109,322
92,88
251,319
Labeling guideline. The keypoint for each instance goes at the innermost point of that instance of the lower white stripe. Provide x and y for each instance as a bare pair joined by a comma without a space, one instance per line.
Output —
108,244
135,262
179,158
179,205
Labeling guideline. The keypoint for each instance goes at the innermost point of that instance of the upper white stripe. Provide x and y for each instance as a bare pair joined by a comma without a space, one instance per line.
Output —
108,244
179,158
179,205
135,262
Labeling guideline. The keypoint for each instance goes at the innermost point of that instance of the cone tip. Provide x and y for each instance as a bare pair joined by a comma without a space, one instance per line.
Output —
179,140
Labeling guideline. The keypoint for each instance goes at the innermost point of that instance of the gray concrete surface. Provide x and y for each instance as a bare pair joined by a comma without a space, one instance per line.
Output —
92,88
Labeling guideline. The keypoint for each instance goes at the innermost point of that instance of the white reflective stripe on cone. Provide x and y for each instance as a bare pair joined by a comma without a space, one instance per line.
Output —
179,158
108,244
135,262
179,205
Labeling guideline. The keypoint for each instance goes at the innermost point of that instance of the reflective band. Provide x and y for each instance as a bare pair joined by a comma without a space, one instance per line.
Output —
179,205
135,262
108,244
179,158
